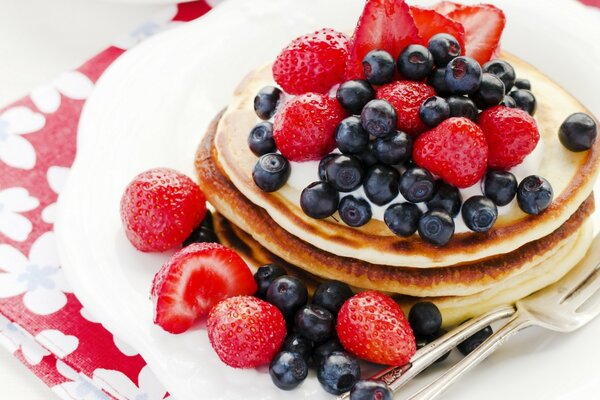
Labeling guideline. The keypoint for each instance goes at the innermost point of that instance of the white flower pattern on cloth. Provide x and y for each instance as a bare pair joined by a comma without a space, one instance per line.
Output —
12,202
14,337
58,343
39,277
163,20
57,176
79,386
71,84
15,150
119,385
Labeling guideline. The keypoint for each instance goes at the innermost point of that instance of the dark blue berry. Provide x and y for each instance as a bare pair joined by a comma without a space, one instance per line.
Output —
350,136
315,323
382,184
421,341
475,341
379,118
338,372
500,187
296,343
323,165
417,185
287,293
344,173
425,318
437,79
521,83
266,101
525,100
578,132
354,211
508,101
323,350
443,48
402,219
201,234
379,67
436,227
490,92
260,139
445,197
502,70
461,106
353,95
368,156
534,194
332,295
371,390
415,62
207,221
393,149
434,110
271,172
479,213
288,370
463,75
319,200
265,275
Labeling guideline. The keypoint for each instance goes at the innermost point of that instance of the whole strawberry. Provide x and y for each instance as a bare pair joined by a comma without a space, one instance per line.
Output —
304,129
511,135
373,327
160,208
407,97
245,332
312,63
455,150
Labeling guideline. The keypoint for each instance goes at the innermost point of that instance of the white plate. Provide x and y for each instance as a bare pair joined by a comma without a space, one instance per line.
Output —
151,108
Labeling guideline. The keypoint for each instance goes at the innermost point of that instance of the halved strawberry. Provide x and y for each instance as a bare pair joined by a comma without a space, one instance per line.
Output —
430,22
444,7
195,279
383,25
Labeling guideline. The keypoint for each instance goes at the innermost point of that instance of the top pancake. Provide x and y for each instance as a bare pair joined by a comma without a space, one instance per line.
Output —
571,175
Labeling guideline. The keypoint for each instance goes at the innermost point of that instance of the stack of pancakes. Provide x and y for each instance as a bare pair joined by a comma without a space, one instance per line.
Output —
471,274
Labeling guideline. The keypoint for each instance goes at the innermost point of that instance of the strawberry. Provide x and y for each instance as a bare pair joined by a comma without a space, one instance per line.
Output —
372,326
430,22
407,97
195,279
445,7
304,128
160,208
245,331
511,135
312,63
455,150
383,25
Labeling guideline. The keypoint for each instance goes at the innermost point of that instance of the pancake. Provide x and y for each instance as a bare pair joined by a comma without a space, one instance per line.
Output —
572,176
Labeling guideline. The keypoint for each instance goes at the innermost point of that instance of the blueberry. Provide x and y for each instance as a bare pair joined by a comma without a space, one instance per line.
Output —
415,62
315,323
379,118
382,184
393,149
437,79
287,293
319,200
436,227
344,173
323,165
271,172
525,100
578,132
368,156
445,197
434,110
379,67
417,184
265,275
474,341
350,136
443,48
521,83
463,75
353,95
502,70
371,390
201,234
323,350
500,187
508,101
462,107
207,222
425,318
260,139
266,101
296,343
421,341
402,219
354,211
490,92
338,372
288,370
534,194
332,295
479,213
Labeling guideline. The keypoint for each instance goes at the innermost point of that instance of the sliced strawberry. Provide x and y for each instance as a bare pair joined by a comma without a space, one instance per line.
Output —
444,7
430,22
384,25
195,279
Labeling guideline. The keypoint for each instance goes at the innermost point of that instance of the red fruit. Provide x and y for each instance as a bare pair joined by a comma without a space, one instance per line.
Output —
511,135
312,63
195,279
455,150
373,327
160,208
444,7
245,332
430,22
304,129
384,25
407,97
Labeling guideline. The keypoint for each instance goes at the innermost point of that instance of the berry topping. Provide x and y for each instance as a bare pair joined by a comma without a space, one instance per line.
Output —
443,48
265,275
373,327
371,390
288,294
479,213
511,135
298,344
201,234
393,149
578,132
312,63
455,150
436,227
344,173
490,92
437,80
271,172
194,280
354,211
475,341
402,219
354,95
525,100
266,101
314,323
379,67
425,318
260,139
382,184
338,372
332,295
288,370
502,70
368,156
415,62
534,194
431,23
379,118
319,200
500,187
245,332
160,208
407,97
508,101
323,350
434,110
416,185
461,106
323,164
350,136
304,129
445,197
463,75
522,83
